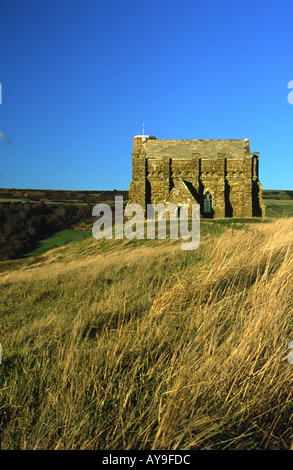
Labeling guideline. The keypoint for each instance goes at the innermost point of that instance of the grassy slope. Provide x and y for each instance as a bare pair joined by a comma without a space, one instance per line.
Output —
117,344
278,203
59,238
278,208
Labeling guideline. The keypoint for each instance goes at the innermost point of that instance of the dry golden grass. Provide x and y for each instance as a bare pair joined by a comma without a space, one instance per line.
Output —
151,347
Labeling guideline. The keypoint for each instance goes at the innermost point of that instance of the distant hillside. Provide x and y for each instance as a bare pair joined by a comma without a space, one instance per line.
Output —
88,196
277,194
59,196
278,203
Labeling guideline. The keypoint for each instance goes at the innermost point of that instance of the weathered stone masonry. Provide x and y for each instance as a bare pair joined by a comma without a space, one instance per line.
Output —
220,175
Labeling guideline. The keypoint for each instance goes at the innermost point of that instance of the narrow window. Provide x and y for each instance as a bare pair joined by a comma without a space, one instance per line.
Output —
207,203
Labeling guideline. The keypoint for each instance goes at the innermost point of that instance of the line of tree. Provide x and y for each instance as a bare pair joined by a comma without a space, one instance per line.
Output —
23,224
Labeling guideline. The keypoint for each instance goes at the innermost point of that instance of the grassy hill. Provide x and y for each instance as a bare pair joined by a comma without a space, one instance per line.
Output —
278,203
278,194
60,238
140,345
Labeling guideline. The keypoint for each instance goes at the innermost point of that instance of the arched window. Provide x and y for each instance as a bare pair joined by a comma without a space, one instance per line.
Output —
207,203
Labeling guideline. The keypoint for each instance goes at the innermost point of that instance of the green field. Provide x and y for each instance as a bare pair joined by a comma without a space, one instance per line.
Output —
58,239
278,203
278,208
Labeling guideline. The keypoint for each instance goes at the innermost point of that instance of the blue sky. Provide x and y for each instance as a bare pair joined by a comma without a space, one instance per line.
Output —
80,77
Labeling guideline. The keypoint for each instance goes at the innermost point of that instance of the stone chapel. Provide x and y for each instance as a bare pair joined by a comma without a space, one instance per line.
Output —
221,175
